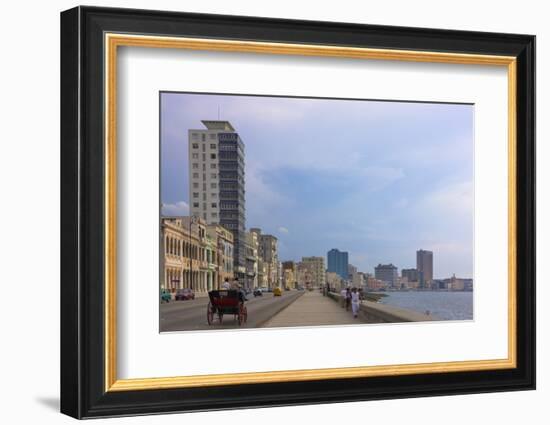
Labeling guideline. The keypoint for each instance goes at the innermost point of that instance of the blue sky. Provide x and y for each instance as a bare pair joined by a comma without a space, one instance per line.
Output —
377,179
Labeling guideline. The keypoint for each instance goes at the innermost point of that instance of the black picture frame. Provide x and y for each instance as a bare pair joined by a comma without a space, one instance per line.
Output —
83,392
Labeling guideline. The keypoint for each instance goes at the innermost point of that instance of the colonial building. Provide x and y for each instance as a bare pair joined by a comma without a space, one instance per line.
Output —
223,243
183,245
289,274
335,282
269,256
252,246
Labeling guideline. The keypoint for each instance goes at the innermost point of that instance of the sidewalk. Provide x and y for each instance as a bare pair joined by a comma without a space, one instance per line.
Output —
310,310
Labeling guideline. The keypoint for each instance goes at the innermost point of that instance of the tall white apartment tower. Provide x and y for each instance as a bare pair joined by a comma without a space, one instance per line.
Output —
216,181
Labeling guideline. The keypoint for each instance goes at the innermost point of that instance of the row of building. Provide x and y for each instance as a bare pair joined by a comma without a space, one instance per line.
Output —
211,244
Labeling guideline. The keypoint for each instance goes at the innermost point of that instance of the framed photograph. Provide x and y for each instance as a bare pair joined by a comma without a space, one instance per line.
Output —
262,212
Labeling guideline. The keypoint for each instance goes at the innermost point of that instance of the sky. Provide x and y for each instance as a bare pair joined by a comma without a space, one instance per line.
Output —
377,179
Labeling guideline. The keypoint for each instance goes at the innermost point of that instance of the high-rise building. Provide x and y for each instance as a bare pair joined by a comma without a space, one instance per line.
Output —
269,256
316,266
386,273
410,274
216,182
425,265
338,263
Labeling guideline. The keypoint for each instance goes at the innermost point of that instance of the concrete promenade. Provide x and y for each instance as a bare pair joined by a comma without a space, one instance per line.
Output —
312,309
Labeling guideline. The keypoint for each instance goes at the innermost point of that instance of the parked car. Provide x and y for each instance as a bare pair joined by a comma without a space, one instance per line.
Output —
185,294
277,292
258,292
165,296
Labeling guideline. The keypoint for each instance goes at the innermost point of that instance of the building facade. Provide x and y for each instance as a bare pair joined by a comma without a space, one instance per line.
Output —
386,273
337,262
188,260
289,274
251,253
424,265
316,265
334,281
217,182
410,274
223,244
269,256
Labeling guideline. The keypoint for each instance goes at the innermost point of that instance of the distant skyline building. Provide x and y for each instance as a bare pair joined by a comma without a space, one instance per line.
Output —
386,273
216,182
410,274
425,266
337,262
316,265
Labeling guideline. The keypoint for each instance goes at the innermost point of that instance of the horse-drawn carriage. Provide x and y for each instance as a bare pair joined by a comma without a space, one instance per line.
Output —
226,302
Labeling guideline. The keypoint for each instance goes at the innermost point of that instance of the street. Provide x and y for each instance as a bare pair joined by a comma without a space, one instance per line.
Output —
191,315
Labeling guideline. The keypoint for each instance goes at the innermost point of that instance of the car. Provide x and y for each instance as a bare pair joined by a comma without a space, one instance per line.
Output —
300,288
258,292
185,294
277,292
165,296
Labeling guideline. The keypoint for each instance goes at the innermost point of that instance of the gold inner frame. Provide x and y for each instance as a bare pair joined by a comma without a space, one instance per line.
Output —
113,41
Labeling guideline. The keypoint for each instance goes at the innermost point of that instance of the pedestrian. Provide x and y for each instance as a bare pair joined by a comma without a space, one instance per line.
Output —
355,302
343,294
226,284
348,298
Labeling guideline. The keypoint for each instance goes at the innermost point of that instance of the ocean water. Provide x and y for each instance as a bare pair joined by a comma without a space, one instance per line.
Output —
443,305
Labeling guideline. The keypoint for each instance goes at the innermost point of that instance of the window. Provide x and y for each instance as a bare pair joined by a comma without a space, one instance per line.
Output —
195,194
204,157
203,137
212,136
195,145
195,165
213,166
213,195
213,185
195,156
195,204
212,146
195,185
213,175
212,156
195,175
214,215
214,205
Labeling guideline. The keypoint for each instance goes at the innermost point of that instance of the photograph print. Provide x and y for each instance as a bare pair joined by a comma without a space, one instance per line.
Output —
295,211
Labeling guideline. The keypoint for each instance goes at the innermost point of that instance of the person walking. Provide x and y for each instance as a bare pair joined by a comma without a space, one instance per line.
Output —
355,302
348,298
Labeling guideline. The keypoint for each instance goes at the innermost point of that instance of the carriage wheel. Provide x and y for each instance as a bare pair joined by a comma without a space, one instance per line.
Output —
210,313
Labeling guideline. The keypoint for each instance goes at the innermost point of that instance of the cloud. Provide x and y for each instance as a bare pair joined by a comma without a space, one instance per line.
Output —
176,209
282,230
